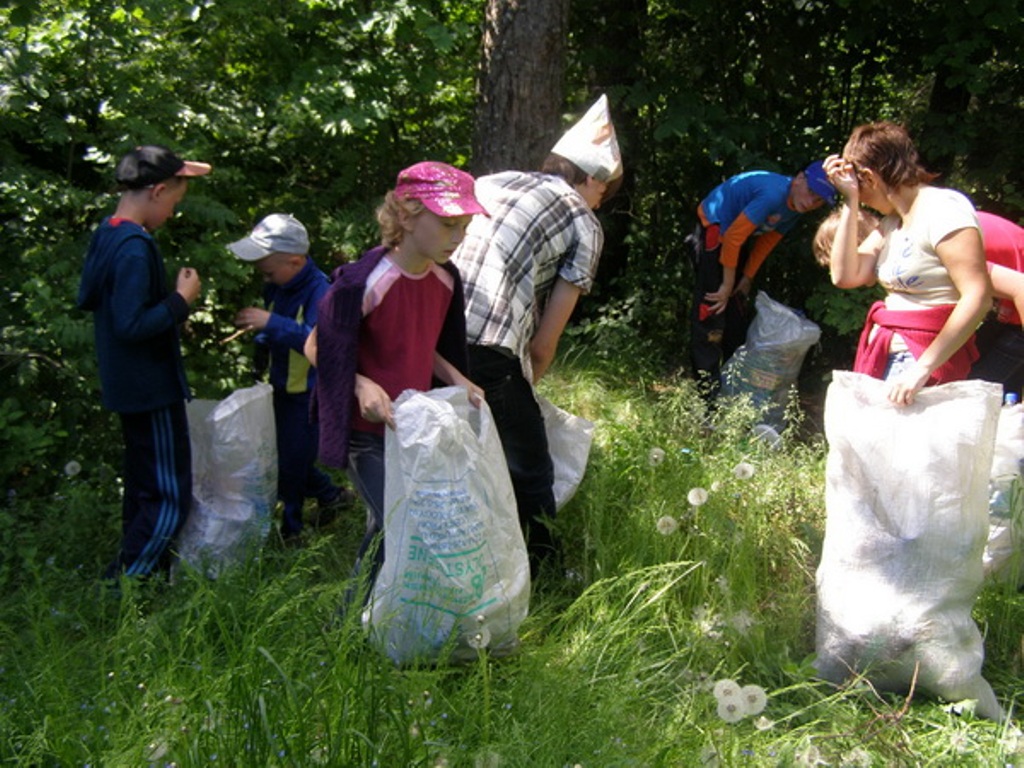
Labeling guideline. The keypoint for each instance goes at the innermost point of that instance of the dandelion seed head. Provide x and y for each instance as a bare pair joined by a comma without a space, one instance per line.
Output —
655,457
742,621
479,639
697,497
726,690
716,486
743,471
762,723
72,468
730,711
754,699
667,525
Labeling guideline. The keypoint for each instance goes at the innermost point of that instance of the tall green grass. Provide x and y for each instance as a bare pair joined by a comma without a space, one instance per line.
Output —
618,658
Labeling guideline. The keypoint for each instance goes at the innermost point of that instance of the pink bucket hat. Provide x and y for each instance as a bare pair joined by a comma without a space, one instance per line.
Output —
443,189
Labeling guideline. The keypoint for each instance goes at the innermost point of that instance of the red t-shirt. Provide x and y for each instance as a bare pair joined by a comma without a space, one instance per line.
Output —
1004,245
402,319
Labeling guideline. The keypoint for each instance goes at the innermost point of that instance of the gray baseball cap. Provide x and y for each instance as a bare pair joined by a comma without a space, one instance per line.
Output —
277,233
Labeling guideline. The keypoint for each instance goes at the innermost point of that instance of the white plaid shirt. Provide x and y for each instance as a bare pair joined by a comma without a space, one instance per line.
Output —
539,228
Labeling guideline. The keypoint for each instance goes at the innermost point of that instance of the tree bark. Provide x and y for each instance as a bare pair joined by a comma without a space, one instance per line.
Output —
520,85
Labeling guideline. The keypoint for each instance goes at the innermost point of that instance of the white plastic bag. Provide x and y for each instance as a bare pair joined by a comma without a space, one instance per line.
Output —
768,363
569,441
1004,552
901,566
455,574
234,478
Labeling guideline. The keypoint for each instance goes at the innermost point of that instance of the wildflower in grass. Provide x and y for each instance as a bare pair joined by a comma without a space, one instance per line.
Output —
762,723
655,457
743,471
726,690
716,486
722,582
479,639
72,468
730,710
667,525
809,756
741,621
707,622
753,698
697,497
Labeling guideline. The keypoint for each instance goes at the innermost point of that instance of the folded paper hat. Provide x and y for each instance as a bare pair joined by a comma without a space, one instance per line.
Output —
818,183
442,188
591,143
277,233
151,164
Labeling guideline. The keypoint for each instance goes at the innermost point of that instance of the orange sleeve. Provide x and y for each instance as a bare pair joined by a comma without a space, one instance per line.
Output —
762,247
733,239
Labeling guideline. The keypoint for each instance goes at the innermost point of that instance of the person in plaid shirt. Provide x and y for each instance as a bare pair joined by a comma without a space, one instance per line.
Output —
523,268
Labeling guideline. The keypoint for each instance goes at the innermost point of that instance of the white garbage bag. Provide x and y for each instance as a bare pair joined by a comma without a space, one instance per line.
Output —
768,363
1004,553
455,577
234,478
569,441
907,519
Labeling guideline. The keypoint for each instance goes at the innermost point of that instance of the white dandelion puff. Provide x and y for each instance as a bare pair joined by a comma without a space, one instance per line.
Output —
762,723
479,639
741,621
730,710
743,471
72,468
754,699
667,525
697,497
655,456
726,690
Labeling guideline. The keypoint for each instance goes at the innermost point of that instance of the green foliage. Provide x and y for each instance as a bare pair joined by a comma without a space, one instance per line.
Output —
306,107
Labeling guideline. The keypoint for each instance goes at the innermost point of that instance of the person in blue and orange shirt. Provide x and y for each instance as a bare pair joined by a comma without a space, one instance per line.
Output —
741,221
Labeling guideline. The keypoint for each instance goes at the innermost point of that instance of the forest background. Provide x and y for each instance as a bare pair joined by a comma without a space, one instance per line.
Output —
312,106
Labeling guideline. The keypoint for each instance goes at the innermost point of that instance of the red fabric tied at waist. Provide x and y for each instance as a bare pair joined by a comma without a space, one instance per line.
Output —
918,328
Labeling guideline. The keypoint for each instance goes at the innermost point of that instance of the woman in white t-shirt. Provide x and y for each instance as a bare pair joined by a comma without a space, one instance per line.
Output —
926,252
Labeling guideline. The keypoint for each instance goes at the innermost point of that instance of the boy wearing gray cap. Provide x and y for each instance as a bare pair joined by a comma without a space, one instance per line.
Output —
293,285
142,378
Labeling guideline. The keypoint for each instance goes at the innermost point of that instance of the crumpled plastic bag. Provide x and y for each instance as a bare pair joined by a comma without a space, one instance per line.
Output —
1004,553
234,478
907,519
455,578
768,363
569,441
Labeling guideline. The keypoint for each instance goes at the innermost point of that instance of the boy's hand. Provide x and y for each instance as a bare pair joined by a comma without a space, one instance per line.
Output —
252,318
188,285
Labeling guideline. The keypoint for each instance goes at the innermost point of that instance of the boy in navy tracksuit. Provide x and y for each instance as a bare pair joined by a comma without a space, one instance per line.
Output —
142,378
294,285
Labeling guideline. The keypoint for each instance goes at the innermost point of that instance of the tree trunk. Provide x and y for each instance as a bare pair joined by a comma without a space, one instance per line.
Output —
520,86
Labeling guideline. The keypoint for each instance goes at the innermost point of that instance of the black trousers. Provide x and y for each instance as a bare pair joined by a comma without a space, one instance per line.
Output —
157,489
713,338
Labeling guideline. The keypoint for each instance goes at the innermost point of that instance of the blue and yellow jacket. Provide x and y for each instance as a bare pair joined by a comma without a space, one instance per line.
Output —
293,308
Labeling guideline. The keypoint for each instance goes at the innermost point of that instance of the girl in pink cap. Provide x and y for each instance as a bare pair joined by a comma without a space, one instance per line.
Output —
391,321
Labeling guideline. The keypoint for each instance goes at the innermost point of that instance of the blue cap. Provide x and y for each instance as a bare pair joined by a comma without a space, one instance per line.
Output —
818,183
